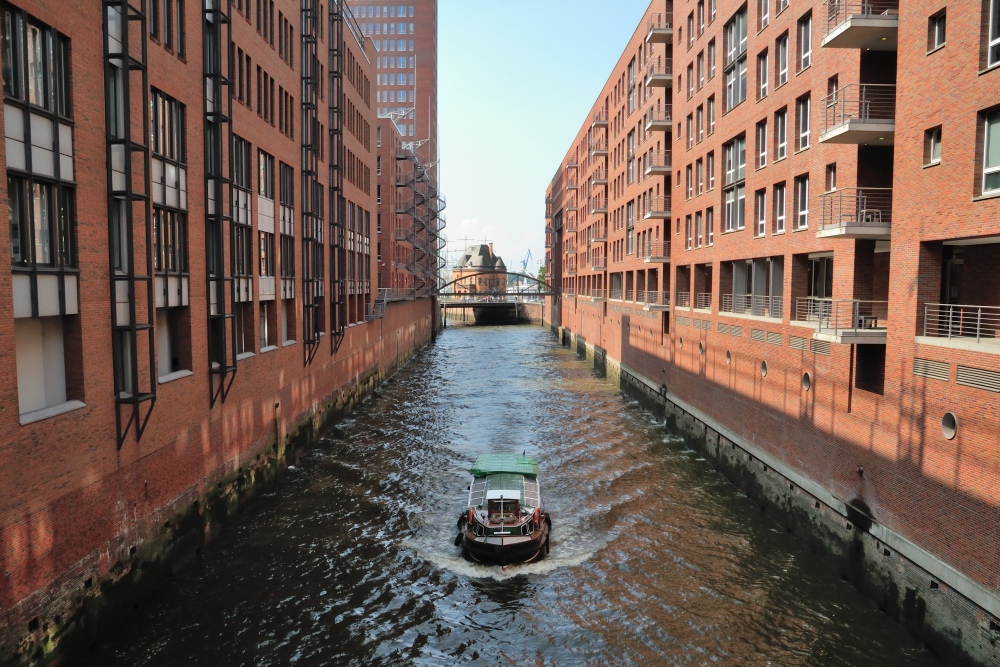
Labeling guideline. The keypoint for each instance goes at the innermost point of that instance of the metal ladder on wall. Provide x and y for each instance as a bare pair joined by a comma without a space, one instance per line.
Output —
312,195
132,329
338,204
218,205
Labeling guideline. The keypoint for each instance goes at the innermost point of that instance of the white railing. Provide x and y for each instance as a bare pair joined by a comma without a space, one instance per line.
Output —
659,160
629,295
598,294
838,11
659,114
945,320
616,294
660,67
656,250
856,207
860,101
703,300
684,299
835,316
657,206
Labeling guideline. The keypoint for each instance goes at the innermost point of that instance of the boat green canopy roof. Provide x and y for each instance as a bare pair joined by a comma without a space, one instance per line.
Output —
489,464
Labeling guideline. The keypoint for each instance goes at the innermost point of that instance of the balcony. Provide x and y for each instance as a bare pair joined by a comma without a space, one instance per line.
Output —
856,213
969,327
752,305
871,25
683,300
657,207
599,177
598,205
599,148
570,268
599,264
600,119
847,321
600,233
659,163
660,73
659,29
571,183
615,294
860,113
703,301
658,119
571,163
654,300
570,204
630,295
569,291
657,251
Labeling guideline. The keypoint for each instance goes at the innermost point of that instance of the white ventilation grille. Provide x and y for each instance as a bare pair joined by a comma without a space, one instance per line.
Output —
757,334
723,328
706,325
736,330
686,321
936,370
798,343
820,347
978,378
696,323
774,338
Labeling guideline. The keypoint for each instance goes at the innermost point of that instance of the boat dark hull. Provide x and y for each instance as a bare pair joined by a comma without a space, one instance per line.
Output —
505,550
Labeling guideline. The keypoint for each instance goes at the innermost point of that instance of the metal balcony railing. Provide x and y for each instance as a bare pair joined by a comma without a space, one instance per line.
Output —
598,294
570,204
757,305
836,316
569,224
658,161
599,176
598,146
615,293
571,183
684,299
865,102
653,298
658,26
598,205
703,300
945,320
856,207
657,207
839,11
660,69
630,295
659,116
656,251
600,118
600,233
599,264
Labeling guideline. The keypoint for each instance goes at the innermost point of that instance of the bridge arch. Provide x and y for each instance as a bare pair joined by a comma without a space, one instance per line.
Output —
541,287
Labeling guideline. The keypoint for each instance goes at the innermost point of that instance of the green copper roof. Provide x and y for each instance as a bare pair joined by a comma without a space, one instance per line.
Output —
489,464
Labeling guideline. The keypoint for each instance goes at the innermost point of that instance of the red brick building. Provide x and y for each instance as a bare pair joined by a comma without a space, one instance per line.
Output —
782,215
189,289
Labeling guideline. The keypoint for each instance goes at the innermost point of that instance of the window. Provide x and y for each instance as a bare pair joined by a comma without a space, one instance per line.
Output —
700,122
688,182
699,168
690,132
701,70
701,17
805,41
631,157
802,202
710,168
762,75
993,54
782,5
35,63
631,86
781,60
932,146
760,212
711,59
762,144
711,115
169,241
802,118
688,233
734,163
936,31
764,11
831,177
710,225
265,175
780,134
711,6
697,230
991,164
736,61
42,222
690,25
266,254
690,80
167,134
779,208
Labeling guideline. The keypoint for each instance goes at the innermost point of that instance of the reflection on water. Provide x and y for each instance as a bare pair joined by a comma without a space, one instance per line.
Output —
655,559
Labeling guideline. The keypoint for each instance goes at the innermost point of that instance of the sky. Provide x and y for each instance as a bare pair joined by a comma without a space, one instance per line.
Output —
516,81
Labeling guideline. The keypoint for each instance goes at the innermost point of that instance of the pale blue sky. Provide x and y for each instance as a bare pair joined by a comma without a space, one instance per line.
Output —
516,80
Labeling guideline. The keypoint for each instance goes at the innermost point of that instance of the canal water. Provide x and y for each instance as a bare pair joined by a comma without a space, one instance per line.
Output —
655,560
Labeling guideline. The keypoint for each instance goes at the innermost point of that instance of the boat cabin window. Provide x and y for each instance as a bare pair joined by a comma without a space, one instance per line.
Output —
503,511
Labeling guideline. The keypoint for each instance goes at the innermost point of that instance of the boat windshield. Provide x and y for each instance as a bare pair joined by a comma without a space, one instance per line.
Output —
503,510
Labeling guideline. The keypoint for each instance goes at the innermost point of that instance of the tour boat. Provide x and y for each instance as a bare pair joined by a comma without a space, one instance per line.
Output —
504,522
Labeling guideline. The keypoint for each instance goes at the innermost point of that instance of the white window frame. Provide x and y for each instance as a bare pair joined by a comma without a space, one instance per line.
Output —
762,73
805,42
781,134
700,122
934,145
760,207
711,59
689,182
710,225
802,202
711,115
765,13
993,51
688,240
698,230
710,168
782,60
939,30
802,112
779,208
987,169
699,169
761,145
